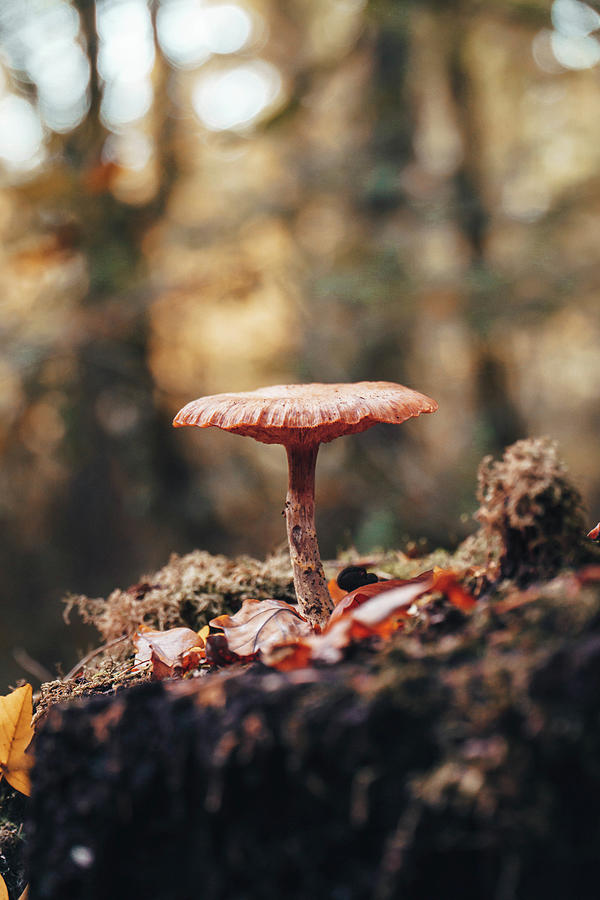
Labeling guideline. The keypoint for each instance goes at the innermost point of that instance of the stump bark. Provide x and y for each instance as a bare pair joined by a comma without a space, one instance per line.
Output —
460,762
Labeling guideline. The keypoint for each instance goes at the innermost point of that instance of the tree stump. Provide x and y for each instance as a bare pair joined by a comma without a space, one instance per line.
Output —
459,762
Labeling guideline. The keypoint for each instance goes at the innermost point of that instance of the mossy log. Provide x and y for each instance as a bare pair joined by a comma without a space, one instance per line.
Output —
462,760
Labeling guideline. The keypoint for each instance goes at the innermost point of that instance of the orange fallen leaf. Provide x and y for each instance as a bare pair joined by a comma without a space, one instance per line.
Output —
260,624
3,889
289,656
335,591
361,594
380,614
594,534
374,610
377,616
446,582
326,647
16,712
276,631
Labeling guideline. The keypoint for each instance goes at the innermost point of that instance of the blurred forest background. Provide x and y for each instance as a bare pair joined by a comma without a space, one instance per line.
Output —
208,195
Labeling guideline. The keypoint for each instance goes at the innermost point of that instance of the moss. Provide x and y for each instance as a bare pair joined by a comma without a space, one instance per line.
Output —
106,676
190,590
530,509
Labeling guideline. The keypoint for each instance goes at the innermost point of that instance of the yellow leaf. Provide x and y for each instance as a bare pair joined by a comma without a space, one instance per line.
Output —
16,711
203,634
3,890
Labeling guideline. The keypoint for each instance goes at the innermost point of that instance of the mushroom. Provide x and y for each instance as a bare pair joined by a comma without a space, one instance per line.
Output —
302,416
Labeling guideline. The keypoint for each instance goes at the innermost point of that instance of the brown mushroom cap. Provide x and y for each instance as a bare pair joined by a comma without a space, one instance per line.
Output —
306,413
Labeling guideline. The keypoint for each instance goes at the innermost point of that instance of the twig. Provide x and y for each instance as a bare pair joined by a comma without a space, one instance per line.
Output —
89,656
31,665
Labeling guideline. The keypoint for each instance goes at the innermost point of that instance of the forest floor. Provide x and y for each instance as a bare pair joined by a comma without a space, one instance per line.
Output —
455,752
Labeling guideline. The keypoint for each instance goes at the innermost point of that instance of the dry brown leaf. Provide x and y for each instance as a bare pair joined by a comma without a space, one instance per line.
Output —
173,651
219,654
16,712
260,624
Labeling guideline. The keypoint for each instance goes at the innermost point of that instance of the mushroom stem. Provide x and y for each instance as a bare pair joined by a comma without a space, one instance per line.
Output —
309,578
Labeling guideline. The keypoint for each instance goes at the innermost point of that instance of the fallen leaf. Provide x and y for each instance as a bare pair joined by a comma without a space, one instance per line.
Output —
275,630
25,894
289,656
16,712
594,534
219,654
376,615
380,614
170,652
335,591
260,624
446,582
326,647
3,889
203,634
362,594
374,610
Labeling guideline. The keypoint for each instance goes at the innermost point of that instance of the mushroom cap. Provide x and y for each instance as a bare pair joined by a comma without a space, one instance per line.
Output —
306,413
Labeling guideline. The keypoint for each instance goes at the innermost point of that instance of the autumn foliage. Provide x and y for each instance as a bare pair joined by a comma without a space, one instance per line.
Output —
16,733
276,632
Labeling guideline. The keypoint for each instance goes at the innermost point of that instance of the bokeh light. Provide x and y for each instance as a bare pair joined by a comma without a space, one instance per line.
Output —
575,51
21,133
574,19
42,44
236,98
125,60
189,31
